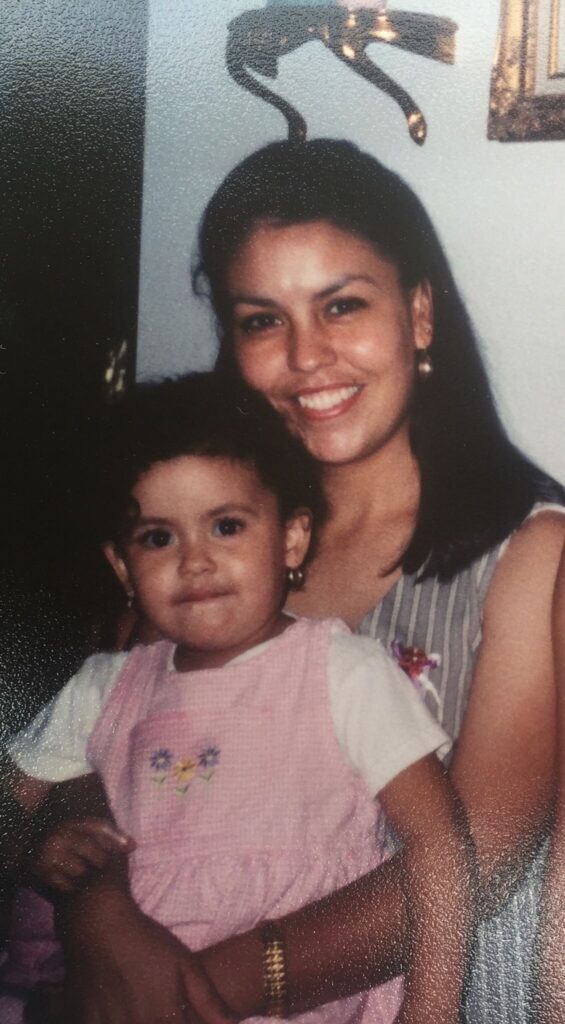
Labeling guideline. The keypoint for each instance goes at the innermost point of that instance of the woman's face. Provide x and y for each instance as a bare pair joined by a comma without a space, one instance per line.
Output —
322,326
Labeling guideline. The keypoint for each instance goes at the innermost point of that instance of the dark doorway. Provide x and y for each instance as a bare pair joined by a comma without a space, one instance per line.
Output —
72,85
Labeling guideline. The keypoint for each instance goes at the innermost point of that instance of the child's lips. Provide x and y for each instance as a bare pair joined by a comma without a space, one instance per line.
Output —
201,596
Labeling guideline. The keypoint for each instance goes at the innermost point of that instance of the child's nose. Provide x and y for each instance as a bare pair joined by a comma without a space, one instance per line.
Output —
195,558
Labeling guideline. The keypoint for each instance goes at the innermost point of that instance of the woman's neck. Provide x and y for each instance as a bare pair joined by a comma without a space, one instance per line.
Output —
373,511
379,487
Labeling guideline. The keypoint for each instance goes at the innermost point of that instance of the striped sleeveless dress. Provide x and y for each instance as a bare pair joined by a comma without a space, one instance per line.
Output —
445,620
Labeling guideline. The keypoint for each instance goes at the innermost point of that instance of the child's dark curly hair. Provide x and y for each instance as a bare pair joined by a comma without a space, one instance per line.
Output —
204,414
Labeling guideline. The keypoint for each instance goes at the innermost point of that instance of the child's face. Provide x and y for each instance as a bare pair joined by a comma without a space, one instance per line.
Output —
207,557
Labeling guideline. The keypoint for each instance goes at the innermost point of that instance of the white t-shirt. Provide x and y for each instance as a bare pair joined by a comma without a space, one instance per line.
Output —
380,721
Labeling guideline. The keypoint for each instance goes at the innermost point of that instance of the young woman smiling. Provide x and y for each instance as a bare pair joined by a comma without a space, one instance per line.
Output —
335,300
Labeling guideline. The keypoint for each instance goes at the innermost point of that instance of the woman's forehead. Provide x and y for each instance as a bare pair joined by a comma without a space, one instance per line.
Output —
314,255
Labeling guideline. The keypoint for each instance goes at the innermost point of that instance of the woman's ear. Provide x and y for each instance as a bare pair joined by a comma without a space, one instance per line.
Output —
298,536
118,565
422,310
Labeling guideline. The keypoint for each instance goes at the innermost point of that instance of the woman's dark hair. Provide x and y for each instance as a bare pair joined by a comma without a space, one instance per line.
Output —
203,414
476,486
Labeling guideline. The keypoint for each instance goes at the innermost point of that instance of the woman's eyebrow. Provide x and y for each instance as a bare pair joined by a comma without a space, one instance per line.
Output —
335,286
342,282
250,300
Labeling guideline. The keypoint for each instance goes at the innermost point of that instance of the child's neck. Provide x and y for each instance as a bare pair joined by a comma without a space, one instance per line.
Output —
192,659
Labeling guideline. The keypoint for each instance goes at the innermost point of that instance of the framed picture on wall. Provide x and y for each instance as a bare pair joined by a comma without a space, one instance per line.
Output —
527,100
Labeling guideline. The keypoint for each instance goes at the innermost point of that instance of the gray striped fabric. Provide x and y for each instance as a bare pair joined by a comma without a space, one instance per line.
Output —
445,619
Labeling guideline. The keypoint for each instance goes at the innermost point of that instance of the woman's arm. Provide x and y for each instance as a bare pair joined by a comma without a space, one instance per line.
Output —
552,960
439,880
502,769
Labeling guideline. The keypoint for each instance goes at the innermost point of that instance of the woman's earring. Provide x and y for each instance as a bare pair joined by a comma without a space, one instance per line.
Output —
424,362
130,598
295,578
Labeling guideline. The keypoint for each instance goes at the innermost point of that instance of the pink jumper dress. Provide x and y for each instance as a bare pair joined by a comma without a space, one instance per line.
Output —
238,795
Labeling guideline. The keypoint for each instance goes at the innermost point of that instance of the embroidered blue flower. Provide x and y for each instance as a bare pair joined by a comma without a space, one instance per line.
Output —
209,757
161,760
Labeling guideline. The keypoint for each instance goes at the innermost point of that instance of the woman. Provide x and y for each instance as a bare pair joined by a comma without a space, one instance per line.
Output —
334,299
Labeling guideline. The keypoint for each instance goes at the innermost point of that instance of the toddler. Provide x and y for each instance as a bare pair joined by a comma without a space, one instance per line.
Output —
251,756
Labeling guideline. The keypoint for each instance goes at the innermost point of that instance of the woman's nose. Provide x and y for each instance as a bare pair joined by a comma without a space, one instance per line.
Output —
310,347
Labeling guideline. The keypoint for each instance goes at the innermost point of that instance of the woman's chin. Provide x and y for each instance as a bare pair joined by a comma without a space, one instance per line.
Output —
334,451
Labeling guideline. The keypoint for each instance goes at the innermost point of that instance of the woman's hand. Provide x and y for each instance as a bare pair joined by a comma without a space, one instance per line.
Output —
124,968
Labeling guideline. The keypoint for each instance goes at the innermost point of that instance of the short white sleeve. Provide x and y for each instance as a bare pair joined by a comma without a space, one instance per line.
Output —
53,746
381,722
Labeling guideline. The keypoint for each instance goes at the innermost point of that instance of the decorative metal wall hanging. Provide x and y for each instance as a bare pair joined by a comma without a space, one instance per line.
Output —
258,38
527,97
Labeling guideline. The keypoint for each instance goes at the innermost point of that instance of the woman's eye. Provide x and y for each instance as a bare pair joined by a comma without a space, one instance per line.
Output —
340,307
159,537
227,527
258,322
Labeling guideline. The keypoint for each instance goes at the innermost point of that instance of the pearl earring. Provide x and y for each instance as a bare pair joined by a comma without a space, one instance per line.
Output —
424,362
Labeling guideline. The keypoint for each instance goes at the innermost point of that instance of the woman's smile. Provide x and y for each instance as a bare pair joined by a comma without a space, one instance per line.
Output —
323,327
322,403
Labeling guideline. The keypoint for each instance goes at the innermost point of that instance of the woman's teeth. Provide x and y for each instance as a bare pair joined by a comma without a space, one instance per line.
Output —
323,400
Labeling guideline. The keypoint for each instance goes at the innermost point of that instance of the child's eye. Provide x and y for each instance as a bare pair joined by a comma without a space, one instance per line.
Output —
348,304
258,322
227,527
158,537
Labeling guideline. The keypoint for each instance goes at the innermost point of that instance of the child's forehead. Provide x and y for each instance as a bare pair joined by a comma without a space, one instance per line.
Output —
202,478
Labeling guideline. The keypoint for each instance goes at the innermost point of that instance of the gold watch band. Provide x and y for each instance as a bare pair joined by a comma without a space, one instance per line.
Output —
274,970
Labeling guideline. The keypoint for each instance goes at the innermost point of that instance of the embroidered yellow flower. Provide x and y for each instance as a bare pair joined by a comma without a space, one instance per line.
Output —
185,770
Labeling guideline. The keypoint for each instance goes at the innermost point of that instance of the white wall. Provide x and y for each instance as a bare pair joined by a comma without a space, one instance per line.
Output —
499,207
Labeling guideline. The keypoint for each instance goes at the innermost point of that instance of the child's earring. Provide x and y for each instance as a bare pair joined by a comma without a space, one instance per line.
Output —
295,578
130,598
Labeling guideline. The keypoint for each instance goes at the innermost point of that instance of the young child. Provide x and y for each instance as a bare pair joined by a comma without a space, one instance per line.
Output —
244,751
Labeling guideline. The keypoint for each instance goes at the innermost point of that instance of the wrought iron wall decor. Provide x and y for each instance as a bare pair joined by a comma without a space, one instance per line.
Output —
258,38
527,98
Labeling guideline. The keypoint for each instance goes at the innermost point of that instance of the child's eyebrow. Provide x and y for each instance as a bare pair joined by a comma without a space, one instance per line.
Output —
223,510
151,521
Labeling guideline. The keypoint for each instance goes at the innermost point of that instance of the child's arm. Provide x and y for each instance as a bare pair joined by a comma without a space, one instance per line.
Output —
438,877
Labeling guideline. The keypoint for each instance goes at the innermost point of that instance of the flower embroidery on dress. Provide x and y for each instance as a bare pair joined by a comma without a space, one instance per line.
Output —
161,761
414,661
207,761
184,771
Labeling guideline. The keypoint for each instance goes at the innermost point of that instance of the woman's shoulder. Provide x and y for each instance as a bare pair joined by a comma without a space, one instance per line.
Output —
528,559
